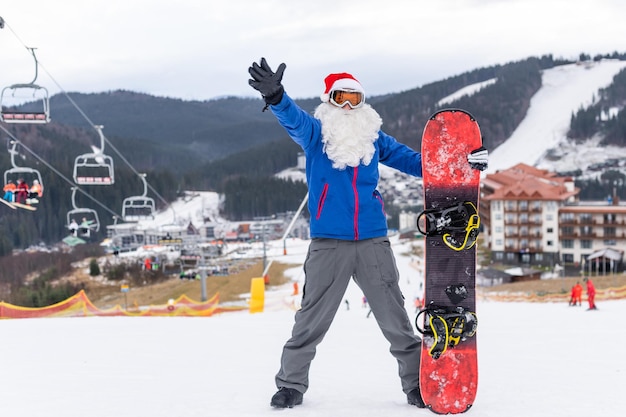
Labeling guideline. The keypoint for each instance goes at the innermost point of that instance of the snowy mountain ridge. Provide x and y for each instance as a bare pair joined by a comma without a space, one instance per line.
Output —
540,140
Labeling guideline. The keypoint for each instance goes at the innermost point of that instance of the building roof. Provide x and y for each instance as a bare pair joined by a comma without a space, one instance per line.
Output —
607,253
607,208
524,182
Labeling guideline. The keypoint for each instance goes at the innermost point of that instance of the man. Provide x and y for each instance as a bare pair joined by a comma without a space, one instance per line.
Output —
577,295
21,191
591,294
35,193
343,145
73,226
9,191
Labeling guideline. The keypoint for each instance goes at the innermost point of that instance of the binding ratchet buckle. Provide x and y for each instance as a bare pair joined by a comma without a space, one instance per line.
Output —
446,327
458,225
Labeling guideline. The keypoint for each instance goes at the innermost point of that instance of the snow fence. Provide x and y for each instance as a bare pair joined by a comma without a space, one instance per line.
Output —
79,305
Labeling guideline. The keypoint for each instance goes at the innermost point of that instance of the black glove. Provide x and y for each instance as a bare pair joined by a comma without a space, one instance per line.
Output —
479,158
267,82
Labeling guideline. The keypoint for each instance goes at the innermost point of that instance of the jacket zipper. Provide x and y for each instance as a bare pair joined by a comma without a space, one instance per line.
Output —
320,204
356,203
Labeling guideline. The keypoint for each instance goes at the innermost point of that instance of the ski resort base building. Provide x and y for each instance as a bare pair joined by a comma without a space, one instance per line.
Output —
533,217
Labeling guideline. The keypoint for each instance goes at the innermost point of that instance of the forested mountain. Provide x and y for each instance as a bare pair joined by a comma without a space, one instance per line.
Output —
229,145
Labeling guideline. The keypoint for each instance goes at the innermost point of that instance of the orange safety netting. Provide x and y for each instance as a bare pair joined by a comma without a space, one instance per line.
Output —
80,306
618,293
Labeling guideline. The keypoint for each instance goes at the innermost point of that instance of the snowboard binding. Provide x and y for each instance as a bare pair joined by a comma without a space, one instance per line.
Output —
447,328
458,225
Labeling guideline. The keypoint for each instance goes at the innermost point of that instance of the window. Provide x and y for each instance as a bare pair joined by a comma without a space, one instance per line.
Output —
609,231
567,243
609,218
586,244
568,258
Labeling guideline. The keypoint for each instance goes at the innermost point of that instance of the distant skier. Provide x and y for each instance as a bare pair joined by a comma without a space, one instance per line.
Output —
591,294
577,295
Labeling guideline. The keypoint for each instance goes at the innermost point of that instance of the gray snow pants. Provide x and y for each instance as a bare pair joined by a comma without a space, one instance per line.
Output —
329,265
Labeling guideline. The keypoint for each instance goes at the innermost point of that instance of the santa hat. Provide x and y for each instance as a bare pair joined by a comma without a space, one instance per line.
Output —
340,81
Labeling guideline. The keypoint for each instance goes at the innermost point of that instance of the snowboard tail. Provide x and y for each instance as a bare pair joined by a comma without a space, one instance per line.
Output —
448,363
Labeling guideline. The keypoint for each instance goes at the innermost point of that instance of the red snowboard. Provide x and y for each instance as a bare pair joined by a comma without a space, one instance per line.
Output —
449,382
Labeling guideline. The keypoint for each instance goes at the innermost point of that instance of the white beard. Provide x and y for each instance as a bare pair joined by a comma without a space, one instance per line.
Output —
348,135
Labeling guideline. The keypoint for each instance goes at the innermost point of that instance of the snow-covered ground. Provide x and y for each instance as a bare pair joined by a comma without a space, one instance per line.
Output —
534,360
565,89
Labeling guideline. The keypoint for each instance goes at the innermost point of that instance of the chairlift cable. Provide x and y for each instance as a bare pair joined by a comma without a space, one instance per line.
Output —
119,154
82,113
57,172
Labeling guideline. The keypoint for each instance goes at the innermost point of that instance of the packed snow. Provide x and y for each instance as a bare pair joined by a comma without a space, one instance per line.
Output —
466,91
534,360
565,89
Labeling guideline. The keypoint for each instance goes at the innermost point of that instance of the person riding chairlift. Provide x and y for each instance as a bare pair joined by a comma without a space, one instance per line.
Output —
35,193
21,194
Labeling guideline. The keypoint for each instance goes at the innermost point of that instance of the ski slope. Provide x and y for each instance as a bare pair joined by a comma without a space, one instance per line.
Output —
535,360
565,89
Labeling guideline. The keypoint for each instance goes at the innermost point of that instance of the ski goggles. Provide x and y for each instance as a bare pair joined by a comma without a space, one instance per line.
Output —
340,98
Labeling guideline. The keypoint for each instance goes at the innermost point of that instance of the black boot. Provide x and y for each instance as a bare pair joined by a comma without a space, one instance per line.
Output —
414,397
286,398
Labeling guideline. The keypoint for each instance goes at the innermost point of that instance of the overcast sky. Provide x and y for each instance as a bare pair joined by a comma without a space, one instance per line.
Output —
201,49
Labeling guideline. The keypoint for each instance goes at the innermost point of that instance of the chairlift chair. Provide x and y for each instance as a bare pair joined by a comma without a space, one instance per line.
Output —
17,172
94,168
139,207
40,112
36,112
81,215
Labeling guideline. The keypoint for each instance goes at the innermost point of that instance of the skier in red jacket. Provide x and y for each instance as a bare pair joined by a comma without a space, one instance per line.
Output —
591,294
577,295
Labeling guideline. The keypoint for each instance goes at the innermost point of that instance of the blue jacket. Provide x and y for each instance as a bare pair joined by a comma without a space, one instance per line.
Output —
344,204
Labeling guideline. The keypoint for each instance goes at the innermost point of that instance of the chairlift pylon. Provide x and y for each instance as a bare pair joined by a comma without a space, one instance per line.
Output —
139,207
40,112
94,168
